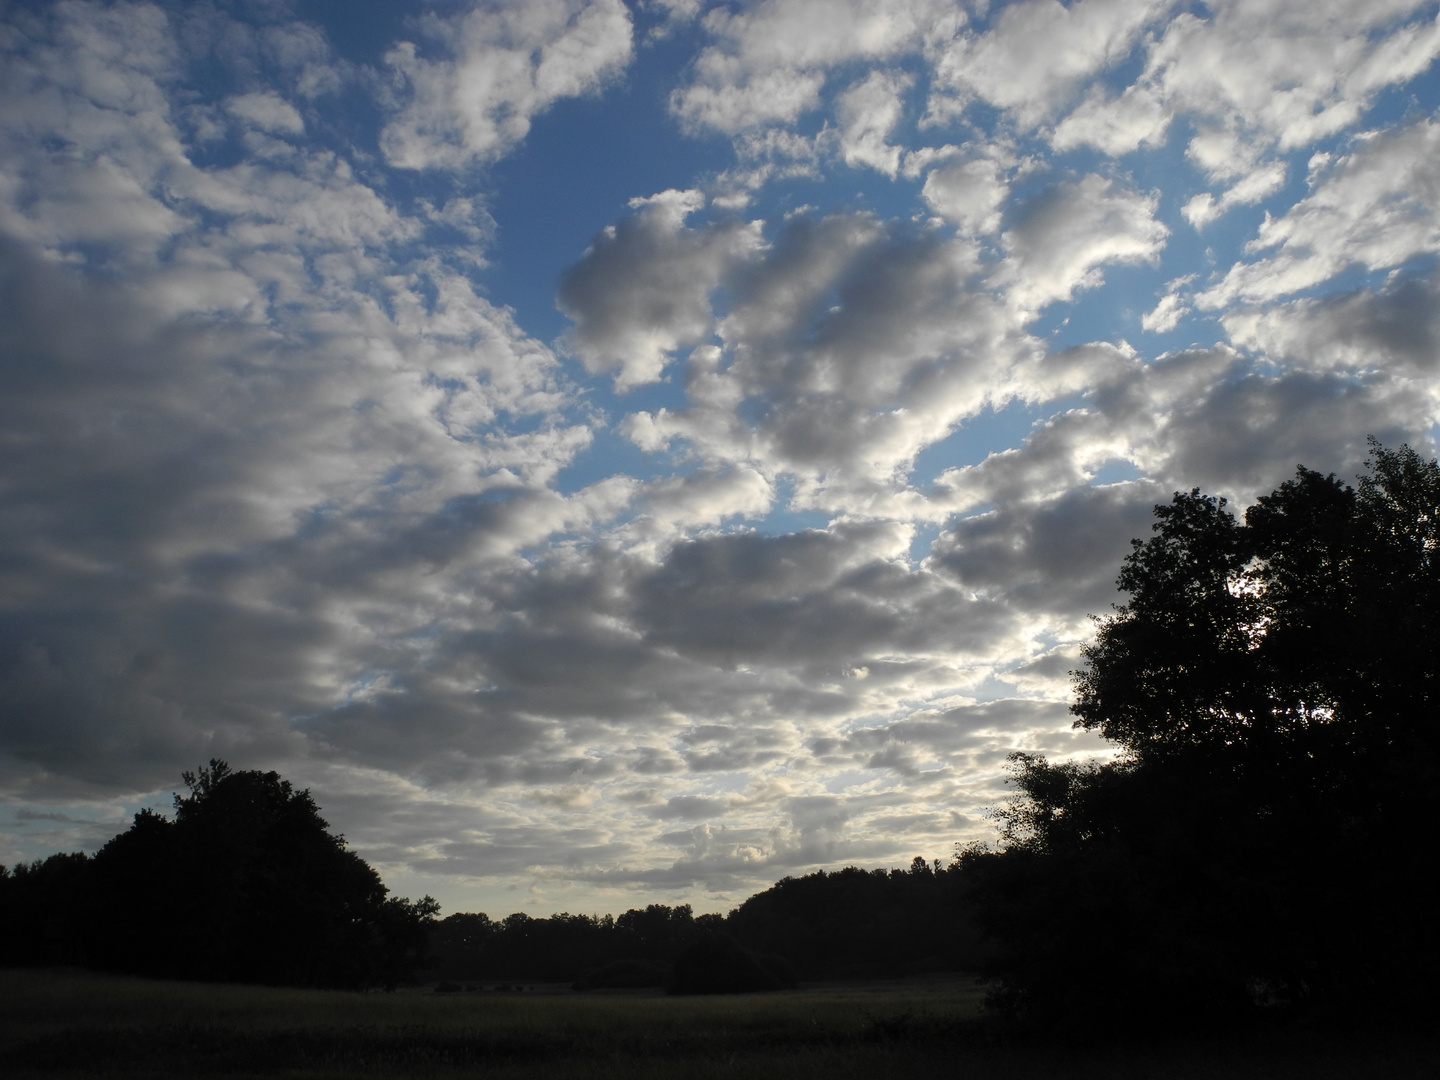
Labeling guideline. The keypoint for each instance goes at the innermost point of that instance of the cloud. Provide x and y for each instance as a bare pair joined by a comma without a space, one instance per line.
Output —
642,289
848,346
1259,183
505,64
868,111
1034,54
1058,555
1395,329
830,597
1376,207
969,192
1165,315
266,112
770,61
1284,77
1114,125
1062,238
1200,417
1253,78
233,424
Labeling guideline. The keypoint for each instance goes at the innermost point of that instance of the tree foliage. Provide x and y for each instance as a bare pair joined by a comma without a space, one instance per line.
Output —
247,883
1271,688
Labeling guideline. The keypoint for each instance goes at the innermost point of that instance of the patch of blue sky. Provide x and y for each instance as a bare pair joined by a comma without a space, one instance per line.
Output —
862,189
1109,312
584,159
611,454
784,518
976,437
926,533
367,29
666,392
1116,472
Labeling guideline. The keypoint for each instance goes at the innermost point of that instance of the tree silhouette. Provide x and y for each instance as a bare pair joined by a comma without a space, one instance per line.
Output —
247,883
1271,688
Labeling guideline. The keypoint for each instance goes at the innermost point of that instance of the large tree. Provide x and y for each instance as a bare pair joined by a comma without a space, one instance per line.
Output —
247,883
1271,690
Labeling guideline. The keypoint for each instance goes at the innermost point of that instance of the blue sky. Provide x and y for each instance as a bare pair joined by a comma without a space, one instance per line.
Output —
617,453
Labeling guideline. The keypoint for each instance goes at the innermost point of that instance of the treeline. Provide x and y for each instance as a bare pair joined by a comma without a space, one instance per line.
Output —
845,923
245,884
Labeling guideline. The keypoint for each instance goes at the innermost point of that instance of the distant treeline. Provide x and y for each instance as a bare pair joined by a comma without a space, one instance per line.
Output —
247,884
845,923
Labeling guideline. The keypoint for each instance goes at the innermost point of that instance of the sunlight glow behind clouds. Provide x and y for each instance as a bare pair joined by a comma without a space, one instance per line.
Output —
663,608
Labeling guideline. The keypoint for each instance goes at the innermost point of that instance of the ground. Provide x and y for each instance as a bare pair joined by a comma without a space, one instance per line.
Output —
61,1023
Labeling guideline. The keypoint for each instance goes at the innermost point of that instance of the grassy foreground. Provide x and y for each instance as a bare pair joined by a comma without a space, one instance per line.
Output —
75,1024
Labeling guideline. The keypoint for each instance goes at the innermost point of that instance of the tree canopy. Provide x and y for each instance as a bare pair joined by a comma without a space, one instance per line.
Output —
247,883
1270,686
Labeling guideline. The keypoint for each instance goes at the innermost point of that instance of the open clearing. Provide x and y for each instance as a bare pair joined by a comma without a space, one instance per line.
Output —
77,1024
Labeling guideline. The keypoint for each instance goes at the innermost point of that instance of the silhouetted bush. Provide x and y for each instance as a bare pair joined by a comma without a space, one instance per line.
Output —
628,974
718,964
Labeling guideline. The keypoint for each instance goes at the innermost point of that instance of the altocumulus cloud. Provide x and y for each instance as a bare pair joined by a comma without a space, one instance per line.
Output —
616,452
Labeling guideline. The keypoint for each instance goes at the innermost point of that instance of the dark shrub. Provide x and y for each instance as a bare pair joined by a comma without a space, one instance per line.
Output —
717,964
628,974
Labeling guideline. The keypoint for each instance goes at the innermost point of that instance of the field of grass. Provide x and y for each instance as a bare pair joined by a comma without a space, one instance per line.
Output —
75,1024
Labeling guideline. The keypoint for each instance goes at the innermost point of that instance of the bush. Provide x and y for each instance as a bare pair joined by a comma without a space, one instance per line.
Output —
627,974
720,965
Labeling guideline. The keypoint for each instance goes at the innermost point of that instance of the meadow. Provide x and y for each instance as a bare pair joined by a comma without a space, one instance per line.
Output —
63,1023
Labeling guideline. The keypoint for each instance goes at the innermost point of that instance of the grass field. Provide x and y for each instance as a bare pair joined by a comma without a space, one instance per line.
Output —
74,1024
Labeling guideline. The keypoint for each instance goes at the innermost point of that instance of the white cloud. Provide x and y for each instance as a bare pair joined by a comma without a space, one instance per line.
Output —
507,63
868,111
969,192
298,425
1376,207
267,112
1035,53
847,348
1284,75
1114,125
770,60
1062,238
1259,183
1254,76
1165,315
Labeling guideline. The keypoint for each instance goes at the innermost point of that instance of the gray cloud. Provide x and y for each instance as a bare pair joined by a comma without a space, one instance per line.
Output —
1060,555
1397,328
499,65
643,288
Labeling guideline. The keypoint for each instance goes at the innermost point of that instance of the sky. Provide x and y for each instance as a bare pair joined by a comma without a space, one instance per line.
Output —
627,453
